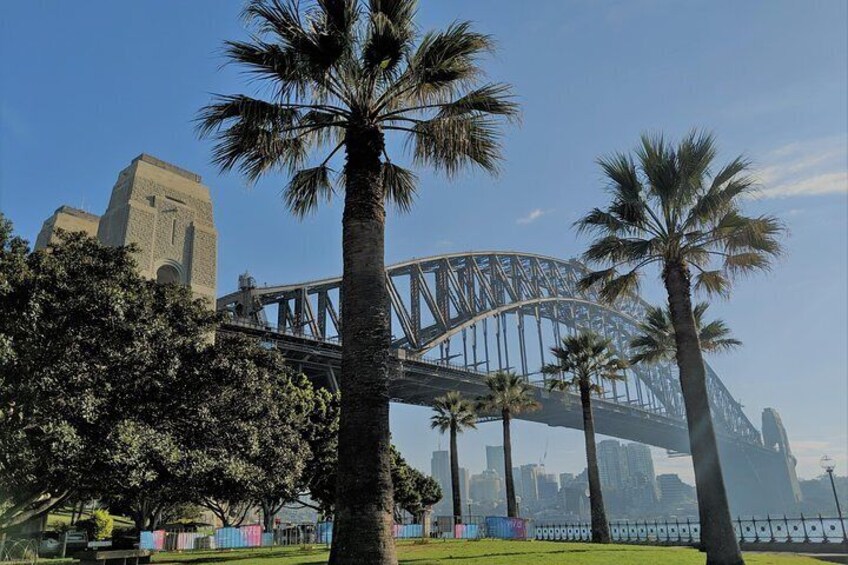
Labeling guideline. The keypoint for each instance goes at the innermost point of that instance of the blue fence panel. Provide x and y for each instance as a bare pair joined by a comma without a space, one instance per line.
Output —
325,532
145,541
229,538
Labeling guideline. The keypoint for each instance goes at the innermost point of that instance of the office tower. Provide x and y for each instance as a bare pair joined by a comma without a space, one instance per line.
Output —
612,465
548,488
673,490
440,471
486,488
495,459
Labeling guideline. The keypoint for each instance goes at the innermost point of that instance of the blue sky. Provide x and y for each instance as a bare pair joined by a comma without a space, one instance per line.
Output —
85,87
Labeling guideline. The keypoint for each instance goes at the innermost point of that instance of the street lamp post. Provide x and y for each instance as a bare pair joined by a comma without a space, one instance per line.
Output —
828,464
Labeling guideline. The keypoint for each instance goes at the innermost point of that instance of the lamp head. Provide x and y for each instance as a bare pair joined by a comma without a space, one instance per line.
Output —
827,463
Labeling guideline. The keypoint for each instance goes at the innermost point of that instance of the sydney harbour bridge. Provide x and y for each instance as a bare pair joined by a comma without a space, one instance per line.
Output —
457,317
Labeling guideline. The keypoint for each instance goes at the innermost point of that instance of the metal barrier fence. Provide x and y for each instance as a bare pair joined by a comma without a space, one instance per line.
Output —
752,530
228,538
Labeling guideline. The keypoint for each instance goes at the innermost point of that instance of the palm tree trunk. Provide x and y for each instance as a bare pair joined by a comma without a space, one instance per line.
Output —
511,506
600,527
717,535
454,453
363,513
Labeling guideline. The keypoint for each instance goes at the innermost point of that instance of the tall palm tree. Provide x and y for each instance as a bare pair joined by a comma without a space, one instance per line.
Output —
508,395
669,208
655,341
590,359
342,75
455,414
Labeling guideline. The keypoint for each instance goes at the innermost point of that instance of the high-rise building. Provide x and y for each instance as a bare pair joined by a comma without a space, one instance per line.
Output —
640,463
548,488
673,491
566,479
641,480
612,465
486,488
440,471
464,488
530,484
495,459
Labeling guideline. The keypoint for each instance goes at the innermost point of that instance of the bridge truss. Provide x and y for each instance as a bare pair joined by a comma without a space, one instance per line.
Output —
485,311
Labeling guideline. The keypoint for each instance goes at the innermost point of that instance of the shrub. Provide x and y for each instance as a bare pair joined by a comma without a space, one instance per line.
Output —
102,524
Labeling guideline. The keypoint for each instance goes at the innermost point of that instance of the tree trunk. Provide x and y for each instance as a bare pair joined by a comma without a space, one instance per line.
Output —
457,499
363,515
511,506
600,527
268,511
717,535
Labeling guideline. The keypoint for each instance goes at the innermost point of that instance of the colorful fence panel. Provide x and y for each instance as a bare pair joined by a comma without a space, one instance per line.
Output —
325,532
506,528
152,541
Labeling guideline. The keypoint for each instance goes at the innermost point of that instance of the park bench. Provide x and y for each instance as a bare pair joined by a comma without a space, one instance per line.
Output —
114,557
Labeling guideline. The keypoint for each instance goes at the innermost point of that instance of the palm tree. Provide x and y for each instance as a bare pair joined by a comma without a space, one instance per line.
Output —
668,208
508,395
457,414
590,360
342,75
655,341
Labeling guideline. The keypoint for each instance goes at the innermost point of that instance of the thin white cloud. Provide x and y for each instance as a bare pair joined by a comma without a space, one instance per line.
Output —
810,168
532,216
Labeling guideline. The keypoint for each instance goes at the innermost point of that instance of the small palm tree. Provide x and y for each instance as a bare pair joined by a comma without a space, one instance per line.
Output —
655,341
342,75
590,360
455,414
508,395
668,208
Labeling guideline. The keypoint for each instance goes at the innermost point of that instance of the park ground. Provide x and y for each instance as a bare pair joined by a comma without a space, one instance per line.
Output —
488,552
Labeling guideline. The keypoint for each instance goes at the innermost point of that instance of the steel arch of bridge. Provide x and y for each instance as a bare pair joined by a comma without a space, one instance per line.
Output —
454,298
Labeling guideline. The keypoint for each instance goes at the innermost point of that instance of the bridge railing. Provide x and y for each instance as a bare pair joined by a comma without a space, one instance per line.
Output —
783,529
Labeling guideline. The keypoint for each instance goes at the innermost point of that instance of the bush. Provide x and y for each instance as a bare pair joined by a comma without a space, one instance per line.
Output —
98,526
103,524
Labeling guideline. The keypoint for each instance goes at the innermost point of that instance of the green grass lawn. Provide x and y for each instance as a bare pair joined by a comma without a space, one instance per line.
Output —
487,552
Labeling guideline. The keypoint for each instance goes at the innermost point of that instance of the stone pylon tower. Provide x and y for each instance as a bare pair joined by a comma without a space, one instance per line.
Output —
167,213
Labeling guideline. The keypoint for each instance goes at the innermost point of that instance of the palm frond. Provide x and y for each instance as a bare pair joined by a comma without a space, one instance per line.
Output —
712,283
449,144
623,285
307,188
400,185
390,33
446,60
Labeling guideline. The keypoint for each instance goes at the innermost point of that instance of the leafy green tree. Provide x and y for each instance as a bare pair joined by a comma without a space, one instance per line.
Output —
343,74
414,492
668,208
87,339
249,442
455,414
508,395
590,359
655,341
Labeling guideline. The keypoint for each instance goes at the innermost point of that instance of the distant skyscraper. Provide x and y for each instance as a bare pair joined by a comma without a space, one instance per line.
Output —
640,463
486,488
612,464
495,459
530,484
464,487
673,490
566,479
548,488
440,471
